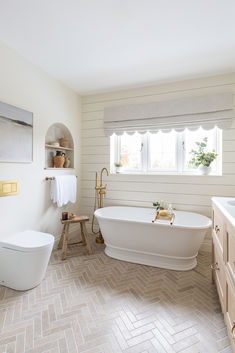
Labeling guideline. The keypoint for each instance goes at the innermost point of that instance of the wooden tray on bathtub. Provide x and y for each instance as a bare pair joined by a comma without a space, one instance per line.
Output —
164,218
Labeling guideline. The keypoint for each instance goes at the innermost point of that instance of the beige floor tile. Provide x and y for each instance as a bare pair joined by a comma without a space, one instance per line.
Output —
96,304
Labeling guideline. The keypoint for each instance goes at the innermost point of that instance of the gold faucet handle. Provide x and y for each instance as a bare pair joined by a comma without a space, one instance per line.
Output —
100,187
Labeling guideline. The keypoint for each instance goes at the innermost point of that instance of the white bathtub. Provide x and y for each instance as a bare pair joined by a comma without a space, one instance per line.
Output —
130,235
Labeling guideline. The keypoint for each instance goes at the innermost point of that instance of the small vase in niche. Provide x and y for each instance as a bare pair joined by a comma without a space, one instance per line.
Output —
67,162
59,159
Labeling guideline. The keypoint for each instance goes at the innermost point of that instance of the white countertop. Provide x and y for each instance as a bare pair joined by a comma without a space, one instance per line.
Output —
227,207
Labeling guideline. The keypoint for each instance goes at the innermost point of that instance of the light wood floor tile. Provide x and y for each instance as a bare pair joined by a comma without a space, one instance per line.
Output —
95,304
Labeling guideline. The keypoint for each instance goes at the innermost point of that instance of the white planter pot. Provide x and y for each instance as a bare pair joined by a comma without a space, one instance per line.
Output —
203,170
118,169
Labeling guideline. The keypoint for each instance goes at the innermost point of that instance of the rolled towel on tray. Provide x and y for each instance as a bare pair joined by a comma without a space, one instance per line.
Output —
163,213
64,189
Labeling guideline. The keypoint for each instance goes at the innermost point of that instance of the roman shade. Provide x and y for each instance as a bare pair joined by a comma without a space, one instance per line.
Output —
192,112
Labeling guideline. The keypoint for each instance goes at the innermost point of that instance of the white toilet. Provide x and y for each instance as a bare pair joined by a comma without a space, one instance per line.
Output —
24,258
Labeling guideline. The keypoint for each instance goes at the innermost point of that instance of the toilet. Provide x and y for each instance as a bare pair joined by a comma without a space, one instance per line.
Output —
24,258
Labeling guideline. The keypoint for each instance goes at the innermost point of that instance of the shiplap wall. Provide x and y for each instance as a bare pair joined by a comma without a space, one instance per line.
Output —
191,193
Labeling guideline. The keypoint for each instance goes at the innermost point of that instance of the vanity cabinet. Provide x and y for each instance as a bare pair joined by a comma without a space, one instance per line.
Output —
218,229
230,256
223,264
219,274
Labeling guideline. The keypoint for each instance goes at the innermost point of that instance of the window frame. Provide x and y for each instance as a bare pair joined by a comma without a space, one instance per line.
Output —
115,149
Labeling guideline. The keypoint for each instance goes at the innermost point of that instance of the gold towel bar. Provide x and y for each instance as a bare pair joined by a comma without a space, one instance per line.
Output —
52,178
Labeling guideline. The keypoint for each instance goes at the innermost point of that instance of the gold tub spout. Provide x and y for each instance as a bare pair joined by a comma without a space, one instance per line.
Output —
101,174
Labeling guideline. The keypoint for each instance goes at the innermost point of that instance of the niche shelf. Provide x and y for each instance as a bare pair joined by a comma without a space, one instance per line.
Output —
58,148
53,168
54,134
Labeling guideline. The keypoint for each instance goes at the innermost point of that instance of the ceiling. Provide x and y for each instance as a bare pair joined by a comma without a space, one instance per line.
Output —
101,45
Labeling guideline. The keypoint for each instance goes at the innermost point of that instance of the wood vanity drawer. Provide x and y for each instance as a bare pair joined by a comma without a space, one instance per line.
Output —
218,227
230,310
230,235
223,263
218,268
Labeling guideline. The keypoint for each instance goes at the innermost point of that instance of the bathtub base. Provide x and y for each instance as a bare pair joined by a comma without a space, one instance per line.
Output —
150,259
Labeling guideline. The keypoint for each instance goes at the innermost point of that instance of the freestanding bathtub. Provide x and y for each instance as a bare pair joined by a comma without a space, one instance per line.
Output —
130,235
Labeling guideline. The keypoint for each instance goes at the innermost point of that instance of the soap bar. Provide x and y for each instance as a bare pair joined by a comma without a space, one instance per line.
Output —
163,213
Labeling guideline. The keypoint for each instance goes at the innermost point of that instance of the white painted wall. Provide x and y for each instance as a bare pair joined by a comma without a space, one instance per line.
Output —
27,86
191,193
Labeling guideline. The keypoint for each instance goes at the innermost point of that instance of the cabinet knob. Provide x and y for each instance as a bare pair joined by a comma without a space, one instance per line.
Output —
232,330
215,266
217,230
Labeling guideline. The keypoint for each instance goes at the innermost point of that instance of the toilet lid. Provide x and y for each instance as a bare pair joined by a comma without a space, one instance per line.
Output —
28,240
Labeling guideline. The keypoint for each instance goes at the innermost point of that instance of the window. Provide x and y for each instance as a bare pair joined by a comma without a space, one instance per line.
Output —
163,152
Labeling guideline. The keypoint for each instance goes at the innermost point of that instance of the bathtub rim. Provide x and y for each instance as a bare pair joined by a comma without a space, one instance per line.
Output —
153,224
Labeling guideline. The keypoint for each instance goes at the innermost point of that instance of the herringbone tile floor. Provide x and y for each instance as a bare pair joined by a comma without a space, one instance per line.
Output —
97,304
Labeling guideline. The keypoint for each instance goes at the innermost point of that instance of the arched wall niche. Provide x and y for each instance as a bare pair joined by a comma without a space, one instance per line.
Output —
56,132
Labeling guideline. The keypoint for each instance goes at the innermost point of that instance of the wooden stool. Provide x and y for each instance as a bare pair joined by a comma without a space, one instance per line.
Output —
63,243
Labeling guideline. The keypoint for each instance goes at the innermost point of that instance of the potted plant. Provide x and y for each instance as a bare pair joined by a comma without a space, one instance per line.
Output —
201,158
118,167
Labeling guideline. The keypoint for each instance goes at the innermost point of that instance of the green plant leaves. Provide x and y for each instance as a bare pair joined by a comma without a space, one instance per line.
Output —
200,156
156,204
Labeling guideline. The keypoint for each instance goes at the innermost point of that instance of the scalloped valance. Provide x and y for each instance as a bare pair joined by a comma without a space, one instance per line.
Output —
192,113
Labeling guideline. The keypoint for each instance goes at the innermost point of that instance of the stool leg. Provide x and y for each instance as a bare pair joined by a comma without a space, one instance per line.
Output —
61,238
65,242
86,238
82,234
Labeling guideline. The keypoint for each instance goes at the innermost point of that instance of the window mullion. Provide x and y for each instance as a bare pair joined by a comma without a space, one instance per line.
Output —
180,152
148,167
144,153
118,149
218,149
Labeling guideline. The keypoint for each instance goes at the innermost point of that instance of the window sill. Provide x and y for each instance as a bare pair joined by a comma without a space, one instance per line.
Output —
166,174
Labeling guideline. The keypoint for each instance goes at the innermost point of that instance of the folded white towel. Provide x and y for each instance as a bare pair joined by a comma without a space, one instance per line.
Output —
64,189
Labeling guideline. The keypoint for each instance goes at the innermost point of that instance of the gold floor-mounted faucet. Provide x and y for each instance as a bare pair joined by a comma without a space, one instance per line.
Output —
101,188
100,192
